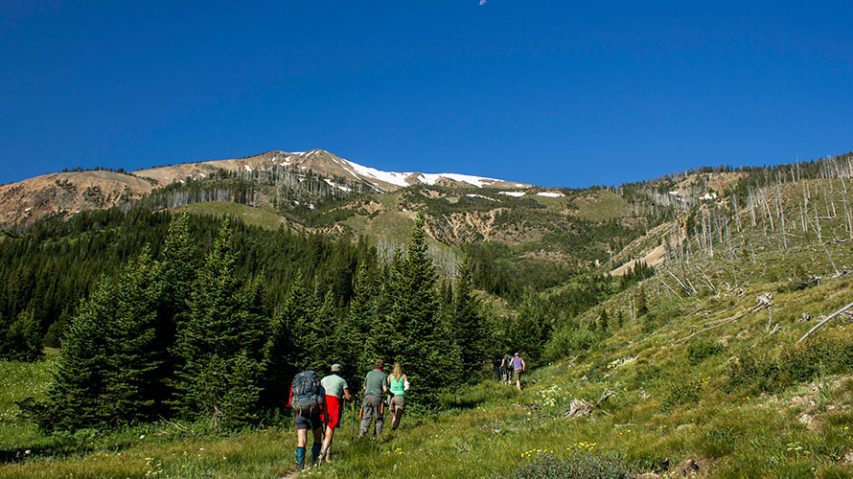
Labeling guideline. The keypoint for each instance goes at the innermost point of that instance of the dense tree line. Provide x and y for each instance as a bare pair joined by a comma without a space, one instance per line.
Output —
186,332
45,271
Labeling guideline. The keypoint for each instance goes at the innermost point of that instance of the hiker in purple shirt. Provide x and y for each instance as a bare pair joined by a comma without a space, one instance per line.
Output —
518,367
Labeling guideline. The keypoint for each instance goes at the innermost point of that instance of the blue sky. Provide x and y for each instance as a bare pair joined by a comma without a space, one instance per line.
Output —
558,93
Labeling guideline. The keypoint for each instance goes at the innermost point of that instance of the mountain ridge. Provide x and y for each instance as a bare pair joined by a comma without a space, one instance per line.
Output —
68,192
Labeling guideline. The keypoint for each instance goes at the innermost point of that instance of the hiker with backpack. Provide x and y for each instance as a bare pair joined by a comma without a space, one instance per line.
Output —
373,406
506,368
336,389
497,361
398,384
308,399
518,367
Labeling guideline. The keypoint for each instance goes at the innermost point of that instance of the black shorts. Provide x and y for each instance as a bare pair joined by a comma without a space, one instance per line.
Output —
307,420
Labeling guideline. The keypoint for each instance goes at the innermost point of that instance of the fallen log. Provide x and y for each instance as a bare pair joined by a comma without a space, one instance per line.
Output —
764,301
826,320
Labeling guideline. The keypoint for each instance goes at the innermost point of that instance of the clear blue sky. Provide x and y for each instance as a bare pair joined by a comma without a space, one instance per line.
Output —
559,93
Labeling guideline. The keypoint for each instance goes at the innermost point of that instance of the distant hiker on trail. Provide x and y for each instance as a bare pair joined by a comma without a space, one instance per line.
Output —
398,384
497,361
372,407
336,388
506,368
308,400
518,367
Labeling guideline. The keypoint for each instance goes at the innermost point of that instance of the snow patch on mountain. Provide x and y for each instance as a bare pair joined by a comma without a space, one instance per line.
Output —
397,179
514,194
550,194
335,185
478,181
403,179
475,195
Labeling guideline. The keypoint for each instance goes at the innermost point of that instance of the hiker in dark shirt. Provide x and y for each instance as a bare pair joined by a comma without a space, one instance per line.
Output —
308,399
506,368
496,364
372,407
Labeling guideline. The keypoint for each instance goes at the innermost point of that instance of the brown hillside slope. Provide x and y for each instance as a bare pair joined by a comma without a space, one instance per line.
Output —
25,202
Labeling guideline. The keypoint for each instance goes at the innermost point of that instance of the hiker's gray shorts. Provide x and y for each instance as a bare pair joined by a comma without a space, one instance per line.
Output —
397,403
516,374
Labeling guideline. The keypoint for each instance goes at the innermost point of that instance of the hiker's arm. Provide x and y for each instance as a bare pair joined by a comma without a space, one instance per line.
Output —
405,383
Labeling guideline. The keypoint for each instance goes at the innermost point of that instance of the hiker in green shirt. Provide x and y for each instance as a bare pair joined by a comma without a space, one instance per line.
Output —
372,406
398,384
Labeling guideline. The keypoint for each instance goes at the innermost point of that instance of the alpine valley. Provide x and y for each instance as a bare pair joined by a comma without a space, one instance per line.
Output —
693,325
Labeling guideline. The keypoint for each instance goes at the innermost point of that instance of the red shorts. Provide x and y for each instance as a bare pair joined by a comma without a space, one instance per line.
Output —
333,411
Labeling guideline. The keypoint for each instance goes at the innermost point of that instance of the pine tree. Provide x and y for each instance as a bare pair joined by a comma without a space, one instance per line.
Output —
5,344
74,398
301,312
277,369
642,303
353,332
384,336
421,343
178,270
24,338
327,319
240,401
131,379
603,321
220,326
526,334
469,326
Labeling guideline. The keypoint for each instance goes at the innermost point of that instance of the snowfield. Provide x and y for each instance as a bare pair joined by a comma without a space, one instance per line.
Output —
551,194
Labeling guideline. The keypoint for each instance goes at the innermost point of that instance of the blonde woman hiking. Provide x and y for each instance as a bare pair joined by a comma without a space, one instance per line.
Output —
398,384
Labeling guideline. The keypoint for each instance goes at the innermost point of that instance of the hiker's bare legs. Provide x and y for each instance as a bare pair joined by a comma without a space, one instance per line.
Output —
327,443
317,445
395,422
301,437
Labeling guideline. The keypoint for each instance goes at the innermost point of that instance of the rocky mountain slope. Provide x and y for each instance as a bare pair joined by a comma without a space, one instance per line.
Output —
66,193
28,201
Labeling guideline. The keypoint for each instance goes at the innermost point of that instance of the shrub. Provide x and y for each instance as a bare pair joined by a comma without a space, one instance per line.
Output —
682,393
702,350
568,341
797,363
647,372
576,466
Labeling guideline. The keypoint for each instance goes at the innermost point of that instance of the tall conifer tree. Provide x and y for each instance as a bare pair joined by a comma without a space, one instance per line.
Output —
220,326
469,326
133,354
74,398
420,338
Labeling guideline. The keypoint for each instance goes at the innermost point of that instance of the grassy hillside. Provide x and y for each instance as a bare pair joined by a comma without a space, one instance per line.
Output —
787,414
262,216
696,370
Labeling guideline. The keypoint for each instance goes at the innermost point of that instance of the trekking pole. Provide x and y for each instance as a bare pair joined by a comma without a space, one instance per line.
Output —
354,416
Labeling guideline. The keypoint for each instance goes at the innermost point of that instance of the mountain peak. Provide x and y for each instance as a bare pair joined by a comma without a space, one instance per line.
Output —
323,163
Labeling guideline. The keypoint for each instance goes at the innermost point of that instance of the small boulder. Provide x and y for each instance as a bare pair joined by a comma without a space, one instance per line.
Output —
808,421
